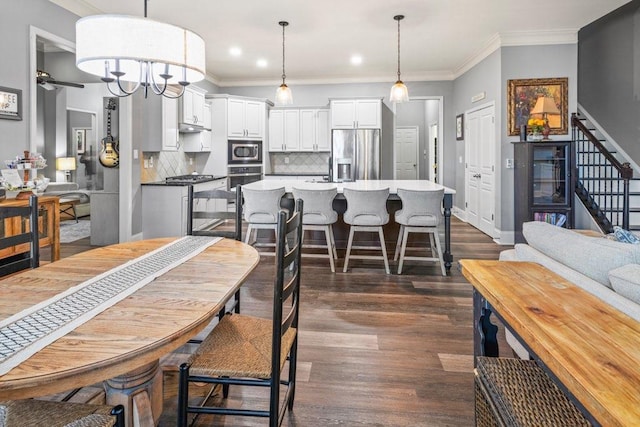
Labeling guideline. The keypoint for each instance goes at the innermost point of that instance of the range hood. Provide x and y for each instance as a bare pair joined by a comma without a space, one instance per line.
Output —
189,128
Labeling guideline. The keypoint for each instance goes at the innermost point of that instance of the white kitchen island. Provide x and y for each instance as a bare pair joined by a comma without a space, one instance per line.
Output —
391,184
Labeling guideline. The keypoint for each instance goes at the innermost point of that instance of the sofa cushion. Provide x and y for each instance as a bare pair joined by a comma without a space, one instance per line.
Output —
626,281
592,256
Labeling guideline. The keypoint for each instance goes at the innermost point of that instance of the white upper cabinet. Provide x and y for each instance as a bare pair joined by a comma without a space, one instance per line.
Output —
245,119
314,130
170,135
155,123
356,114
192,107
207,116
284,130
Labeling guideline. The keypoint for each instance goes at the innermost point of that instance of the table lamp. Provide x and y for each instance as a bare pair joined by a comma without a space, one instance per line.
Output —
545,105
66,164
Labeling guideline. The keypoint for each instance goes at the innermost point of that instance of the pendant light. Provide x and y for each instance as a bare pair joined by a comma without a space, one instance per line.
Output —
149,54
283,94
399,92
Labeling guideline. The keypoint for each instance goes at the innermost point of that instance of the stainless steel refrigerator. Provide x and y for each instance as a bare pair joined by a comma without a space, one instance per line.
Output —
355,154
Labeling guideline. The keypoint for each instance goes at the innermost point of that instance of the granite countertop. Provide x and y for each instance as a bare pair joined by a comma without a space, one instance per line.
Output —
176,184
298,174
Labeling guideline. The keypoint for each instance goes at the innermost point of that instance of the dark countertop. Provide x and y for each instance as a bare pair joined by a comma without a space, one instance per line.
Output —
298,174
173,184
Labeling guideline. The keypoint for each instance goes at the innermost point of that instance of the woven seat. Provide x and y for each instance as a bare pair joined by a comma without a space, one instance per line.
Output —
516,392
31,413
240,347
250,351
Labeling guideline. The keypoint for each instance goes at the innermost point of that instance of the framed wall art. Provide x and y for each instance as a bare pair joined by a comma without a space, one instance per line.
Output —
80,137
10,103
522,96
460,127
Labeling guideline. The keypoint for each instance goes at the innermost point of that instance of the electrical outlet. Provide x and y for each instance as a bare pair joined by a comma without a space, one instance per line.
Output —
286,160
145,163
151,161
190,161
509,164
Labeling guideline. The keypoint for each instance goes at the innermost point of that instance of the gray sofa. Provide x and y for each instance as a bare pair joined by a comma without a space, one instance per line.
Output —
71,190
608,269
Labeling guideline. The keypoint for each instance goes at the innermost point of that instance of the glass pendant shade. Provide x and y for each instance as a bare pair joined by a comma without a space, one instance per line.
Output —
399,92
284,95
148,53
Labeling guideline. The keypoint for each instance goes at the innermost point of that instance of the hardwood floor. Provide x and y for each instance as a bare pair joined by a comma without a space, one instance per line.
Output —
374,349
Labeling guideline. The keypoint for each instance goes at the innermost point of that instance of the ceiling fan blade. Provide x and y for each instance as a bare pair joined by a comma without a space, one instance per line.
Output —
78,85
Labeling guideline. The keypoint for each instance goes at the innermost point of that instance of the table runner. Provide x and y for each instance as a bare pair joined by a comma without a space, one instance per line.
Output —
27,332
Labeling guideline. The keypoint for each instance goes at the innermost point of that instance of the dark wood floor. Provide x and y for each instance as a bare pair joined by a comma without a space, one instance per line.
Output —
374,349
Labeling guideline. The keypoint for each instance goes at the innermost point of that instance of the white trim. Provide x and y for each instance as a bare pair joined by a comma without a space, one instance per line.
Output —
538,38
459,213
125,172
504,237
79,7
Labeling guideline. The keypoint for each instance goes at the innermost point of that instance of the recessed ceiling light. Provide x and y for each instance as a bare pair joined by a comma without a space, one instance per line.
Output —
262,63
235,51
356,59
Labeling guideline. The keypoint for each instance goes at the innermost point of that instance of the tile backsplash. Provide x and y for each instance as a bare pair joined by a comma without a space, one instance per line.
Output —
166,163
302,163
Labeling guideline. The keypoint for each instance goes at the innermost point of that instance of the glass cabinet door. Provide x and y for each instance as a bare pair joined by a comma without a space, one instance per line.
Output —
550,181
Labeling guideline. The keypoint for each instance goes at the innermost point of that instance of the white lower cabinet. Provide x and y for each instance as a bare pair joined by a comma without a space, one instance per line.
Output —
165,208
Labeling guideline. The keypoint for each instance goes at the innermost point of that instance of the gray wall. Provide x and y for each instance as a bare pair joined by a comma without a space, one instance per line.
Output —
14,51
609,75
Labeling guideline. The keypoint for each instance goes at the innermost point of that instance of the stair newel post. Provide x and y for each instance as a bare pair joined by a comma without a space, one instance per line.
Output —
626,173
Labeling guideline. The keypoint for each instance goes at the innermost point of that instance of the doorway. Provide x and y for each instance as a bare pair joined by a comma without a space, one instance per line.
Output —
480,145
426,114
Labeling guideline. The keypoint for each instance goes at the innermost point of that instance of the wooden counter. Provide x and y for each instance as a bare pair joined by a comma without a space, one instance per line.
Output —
48,225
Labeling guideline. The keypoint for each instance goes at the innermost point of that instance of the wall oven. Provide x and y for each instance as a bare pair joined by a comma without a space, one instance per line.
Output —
242,175
244,152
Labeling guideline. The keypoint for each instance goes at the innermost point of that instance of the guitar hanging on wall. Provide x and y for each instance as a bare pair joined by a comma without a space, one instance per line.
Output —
109,155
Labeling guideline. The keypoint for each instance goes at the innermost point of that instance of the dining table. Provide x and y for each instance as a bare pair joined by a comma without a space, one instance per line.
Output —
121,345
374,184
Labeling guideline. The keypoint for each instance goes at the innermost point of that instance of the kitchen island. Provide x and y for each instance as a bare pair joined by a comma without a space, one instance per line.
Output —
392,185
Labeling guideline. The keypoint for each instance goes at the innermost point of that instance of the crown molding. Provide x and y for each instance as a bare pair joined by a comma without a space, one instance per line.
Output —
491,46
79,7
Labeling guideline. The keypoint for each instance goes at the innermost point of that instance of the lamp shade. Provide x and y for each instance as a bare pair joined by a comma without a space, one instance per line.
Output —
66,163
106,43
399,92
284,95
545,105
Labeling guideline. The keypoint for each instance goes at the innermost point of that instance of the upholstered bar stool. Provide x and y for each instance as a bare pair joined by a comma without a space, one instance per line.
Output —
261,209
366,211
320,216
420,213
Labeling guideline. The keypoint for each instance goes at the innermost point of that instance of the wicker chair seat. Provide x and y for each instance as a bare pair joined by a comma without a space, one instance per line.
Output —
30,412
239,346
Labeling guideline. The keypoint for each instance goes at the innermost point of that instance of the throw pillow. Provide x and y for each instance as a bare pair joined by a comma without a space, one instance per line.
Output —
625,236
626,281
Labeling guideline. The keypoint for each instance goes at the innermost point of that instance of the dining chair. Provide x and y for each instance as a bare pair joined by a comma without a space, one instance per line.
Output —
421,213
24,219
32,412
251,351
223,218
261,211
366,211
319,215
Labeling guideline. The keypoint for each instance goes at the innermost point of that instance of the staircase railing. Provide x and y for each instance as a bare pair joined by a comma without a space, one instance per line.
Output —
603,181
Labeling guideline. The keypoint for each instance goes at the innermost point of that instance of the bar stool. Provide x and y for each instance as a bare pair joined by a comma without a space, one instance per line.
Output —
366,211
320,216
420,213
261,209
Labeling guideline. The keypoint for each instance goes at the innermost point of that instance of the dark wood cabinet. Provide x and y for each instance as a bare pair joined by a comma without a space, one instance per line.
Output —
543,184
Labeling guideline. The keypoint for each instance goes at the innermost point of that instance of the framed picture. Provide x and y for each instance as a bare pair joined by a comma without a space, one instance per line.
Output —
80,137
460,127
522,97
10,103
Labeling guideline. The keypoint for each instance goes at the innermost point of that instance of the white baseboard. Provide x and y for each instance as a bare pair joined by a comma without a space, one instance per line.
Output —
505,237
136,237
459,213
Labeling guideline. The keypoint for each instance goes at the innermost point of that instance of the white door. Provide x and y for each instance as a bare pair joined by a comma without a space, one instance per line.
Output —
432,156
406,148
480,142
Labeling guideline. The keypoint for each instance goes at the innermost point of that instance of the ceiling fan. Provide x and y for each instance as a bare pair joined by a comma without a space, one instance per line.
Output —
49,83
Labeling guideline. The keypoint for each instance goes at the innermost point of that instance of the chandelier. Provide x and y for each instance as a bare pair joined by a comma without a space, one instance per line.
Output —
129,53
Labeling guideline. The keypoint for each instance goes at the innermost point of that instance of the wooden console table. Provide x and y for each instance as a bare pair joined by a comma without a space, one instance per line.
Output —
590,349
48,224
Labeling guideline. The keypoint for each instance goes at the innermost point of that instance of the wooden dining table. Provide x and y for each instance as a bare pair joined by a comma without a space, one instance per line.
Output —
123,344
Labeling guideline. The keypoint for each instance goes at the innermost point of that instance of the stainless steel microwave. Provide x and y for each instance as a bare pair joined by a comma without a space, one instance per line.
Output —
244,152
